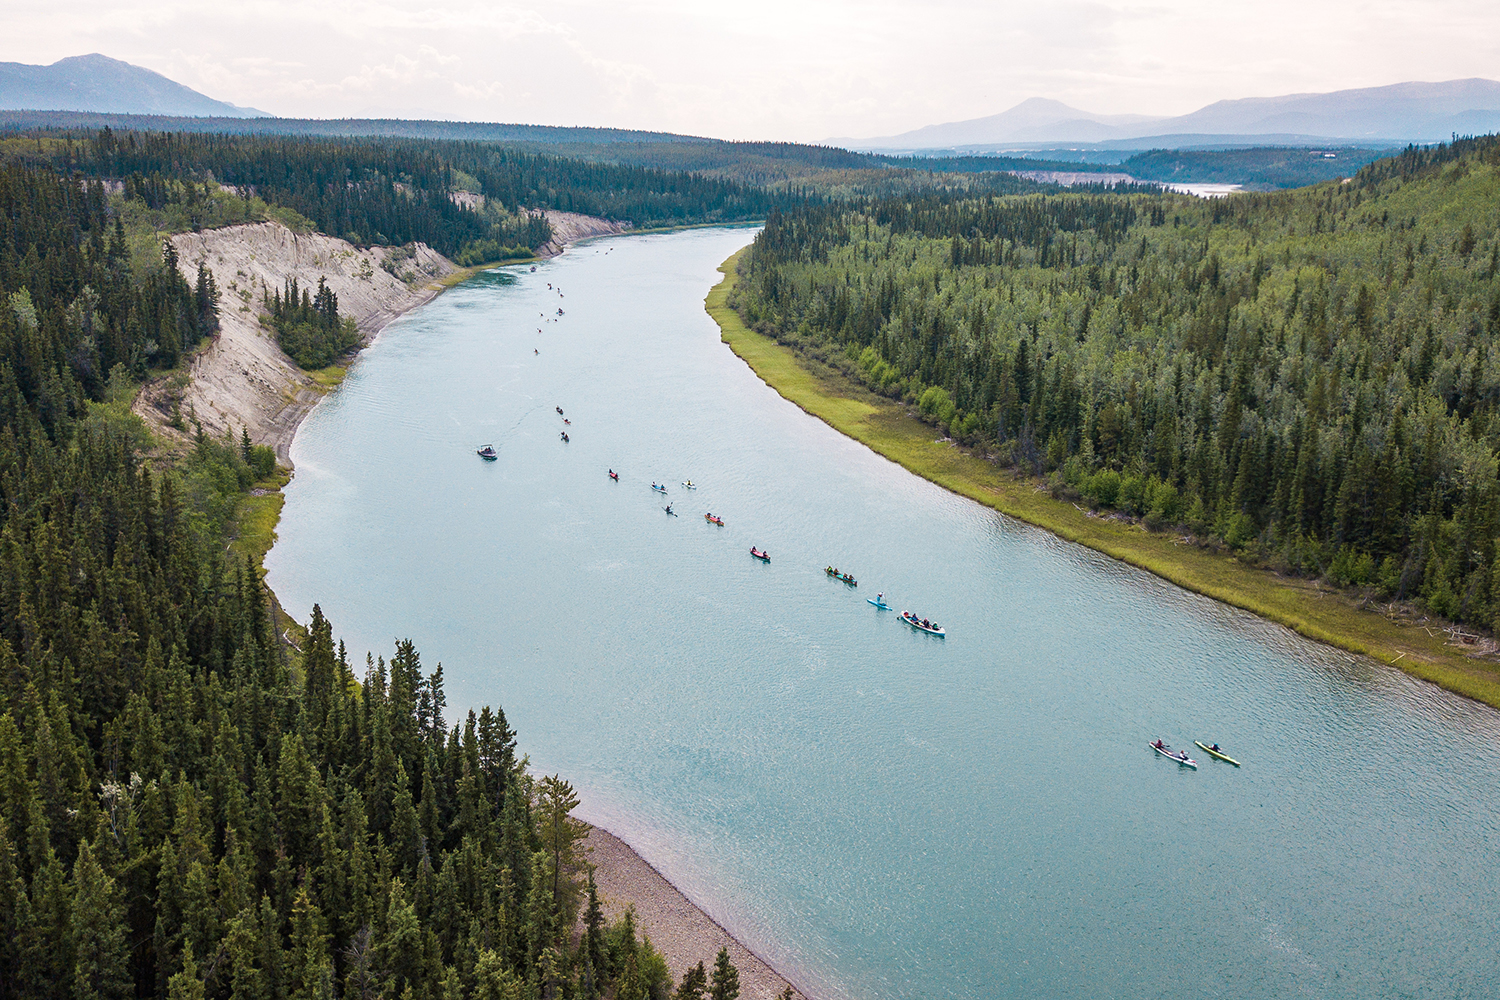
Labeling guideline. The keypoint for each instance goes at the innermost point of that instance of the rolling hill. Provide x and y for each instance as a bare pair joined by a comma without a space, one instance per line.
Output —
1395,114
100,84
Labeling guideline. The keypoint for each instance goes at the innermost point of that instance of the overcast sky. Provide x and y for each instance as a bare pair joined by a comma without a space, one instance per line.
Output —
759,69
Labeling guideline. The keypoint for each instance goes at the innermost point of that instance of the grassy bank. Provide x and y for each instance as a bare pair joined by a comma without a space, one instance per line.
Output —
887,427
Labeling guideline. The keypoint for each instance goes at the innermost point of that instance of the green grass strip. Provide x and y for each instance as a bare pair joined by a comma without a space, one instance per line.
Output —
1304,606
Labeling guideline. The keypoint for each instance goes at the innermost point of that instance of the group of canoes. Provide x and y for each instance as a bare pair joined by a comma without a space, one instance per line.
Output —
920,624
1181,757
710,517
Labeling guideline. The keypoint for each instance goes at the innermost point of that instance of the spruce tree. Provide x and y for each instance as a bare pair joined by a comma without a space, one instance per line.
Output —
694,984
101,953
724,984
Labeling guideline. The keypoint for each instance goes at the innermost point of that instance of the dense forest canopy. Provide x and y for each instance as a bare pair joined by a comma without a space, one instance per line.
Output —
192,804
1311,378
393,192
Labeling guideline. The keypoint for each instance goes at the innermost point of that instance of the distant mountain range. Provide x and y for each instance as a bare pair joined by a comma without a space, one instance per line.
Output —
101,84
1400,113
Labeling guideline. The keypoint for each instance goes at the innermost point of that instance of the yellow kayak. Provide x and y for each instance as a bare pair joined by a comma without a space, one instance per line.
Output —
1217,753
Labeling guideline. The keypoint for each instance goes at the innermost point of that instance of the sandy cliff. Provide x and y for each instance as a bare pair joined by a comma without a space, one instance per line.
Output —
242,379
570,227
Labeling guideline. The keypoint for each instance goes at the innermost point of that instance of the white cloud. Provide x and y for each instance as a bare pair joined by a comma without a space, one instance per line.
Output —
790,69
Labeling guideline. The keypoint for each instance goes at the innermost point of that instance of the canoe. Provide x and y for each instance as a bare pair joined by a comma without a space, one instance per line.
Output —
1184,760
1217,753
716,520
762,556
842,577
659,489
879,604
916,623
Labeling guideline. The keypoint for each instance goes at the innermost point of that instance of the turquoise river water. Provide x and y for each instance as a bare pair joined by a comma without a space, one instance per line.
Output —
878,812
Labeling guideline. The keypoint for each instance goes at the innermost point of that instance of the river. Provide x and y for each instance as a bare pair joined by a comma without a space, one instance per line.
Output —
878,812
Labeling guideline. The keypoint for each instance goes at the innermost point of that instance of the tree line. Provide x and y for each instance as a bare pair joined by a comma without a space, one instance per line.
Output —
396,191
192,803
1311,378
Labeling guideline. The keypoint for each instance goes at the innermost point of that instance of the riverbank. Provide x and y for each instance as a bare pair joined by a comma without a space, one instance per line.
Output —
684,934
1420,648
242,379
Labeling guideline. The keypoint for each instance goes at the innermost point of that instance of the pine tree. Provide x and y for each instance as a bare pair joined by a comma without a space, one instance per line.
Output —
101,956
562,836
694,984
593,933
311,968
724,984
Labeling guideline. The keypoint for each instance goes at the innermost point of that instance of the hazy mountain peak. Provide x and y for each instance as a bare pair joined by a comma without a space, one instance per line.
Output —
95,82
1403,112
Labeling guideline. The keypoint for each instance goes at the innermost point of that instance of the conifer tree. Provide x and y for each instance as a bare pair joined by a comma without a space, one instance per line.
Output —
101,955
724,983
693,985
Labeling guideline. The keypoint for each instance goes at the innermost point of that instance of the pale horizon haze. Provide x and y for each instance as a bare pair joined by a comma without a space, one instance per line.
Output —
805,71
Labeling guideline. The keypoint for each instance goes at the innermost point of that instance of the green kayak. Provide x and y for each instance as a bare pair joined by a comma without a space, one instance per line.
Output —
1217,753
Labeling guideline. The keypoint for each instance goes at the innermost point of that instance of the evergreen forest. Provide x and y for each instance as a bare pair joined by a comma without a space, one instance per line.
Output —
1310,378
194,801
201,802
394,192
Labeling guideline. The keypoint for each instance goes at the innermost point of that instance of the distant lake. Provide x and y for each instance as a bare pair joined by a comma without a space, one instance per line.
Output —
880,813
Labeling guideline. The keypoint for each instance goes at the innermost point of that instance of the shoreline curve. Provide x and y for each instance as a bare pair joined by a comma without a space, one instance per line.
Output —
889,429
680,929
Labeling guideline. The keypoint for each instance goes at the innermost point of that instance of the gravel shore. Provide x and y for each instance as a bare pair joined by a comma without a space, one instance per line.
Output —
684,934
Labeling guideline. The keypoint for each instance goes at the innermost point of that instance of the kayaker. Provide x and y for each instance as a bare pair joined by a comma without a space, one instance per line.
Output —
879,598
1215,748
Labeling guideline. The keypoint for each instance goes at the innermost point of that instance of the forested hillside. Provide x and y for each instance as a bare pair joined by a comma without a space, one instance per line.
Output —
192,805
1311,378
397,191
